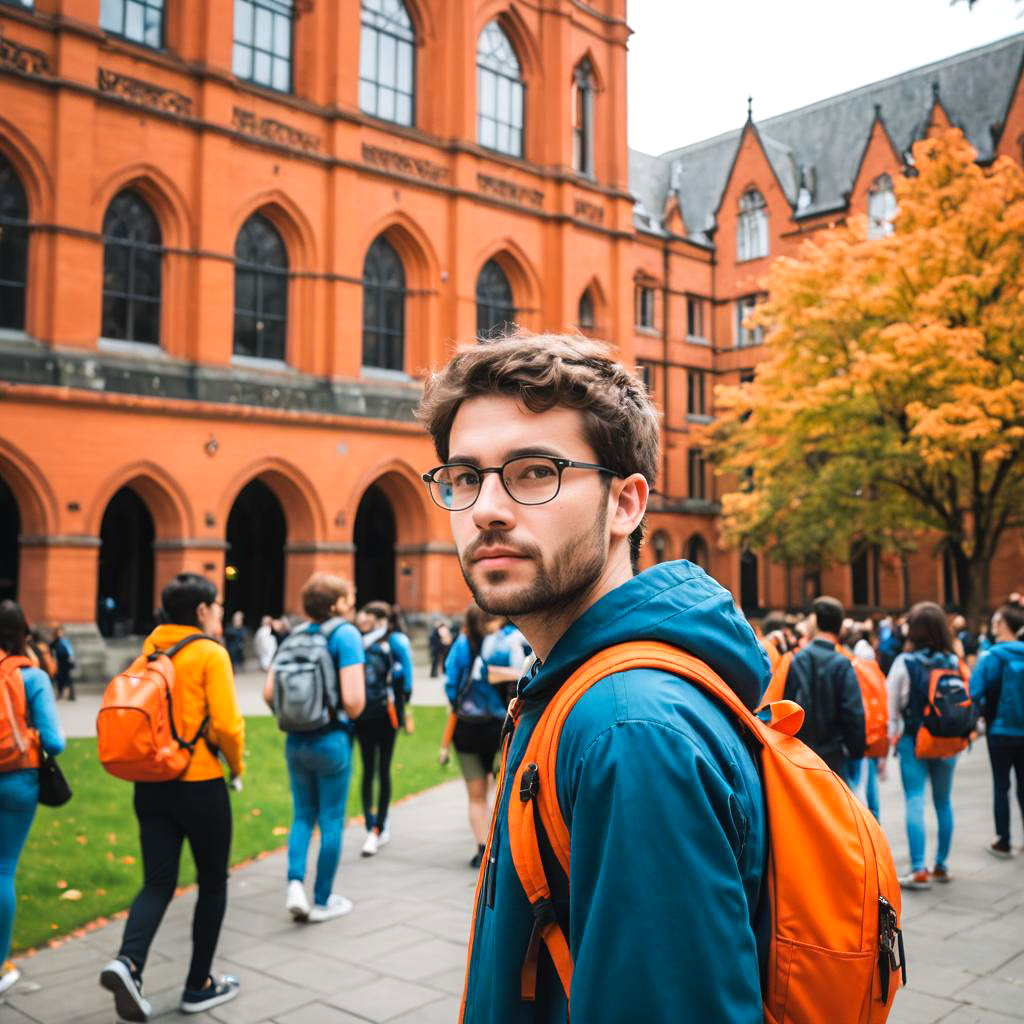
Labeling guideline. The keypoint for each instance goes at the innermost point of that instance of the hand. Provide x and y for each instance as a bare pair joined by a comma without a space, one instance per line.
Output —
236,783
444,757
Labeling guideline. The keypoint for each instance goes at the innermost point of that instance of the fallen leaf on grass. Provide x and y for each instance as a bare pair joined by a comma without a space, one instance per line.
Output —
71,894
280,830
62,884
110,855
255,812
80,840
127,859
111,837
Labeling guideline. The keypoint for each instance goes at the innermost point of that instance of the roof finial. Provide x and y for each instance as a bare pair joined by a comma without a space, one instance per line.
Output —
935,91
750,108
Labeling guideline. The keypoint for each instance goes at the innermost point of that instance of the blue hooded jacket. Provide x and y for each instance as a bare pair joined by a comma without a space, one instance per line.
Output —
999,676
665,811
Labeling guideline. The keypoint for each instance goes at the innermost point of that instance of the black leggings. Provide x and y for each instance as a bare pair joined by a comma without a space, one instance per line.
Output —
376,745
169,813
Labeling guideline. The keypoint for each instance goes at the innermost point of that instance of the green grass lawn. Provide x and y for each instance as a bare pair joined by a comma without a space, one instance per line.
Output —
82,862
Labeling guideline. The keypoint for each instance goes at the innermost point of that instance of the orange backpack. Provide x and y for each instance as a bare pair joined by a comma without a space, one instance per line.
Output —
780,671
19,742
949,717
876,710
836,942
137,736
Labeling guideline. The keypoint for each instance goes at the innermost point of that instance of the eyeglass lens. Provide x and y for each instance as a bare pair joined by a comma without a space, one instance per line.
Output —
530,480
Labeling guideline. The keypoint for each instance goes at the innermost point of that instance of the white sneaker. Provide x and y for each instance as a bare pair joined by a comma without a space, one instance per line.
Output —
337,906
372,844
9,975
385,837
296,903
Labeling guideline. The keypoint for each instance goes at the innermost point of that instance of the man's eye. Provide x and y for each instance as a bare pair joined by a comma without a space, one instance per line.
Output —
537,471
466,478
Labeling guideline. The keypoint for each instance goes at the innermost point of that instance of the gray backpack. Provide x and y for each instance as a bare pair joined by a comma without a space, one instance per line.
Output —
306,691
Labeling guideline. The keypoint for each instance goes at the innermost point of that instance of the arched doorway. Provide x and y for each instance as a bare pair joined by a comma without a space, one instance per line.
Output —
10,530
375,534
749,599
254,565
124,596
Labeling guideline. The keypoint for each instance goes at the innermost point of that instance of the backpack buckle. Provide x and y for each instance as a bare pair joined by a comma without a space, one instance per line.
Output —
543,913
529,783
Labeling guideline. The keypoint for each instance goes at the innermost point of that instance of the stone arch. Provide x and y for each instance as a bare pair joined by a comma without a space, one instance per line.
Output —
407,494
30,168
37,504
412,244
514,26
291,223
521,274
422,17
303,510
599,301
162,196
166,500
587,53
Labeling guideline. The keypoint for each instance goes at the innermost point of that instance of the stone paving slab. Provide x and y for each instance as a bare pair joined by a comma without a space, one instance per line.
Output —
400,956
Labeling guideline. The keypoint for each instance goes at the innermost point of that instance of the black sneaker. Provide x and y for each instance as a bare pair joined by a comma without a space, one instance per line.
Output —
1000,848
125,982
478,858
217,992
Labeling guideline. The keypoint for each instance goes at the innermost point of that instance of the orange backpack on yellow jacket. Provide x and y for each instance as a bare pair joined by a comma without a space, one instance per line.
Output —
19,742
836,945
136,732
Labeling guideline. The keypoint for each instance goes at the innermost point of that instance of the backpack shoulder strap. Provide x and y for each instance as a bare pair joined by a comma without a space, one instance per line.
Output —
172,651
533,803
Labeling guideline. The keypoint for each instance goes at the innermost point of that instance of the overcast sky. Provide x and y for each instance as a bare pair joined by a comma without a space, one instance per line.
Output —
692,63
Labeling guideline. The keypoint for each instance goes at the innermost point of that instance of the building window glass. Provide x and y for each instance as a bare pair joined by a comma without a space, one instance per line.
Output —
141,21
19,3
383,308
495,309
263,42
586,318
695,473
697,551
881,207
499,93
13,248
646,374
695,317
644,306
261,290
583,88
132,270
752,227
747,335
695,393
387,62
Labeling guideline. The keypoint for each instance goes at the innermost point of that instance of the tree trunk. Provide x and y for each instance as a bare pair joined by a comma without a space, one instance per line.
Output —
975,600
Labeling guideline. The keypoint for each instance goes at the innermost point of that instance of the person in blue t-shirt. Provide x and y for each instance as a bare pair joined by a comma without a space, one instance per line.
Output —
320,762
997,687
19,790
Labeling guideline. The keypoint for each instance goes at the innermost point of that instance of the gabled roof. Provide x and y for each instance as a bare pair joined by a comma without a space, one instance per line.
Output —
828,137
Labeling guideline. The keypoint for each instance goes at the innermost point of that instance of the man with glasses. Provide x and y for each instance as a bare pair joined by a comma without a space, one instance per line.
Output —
549,449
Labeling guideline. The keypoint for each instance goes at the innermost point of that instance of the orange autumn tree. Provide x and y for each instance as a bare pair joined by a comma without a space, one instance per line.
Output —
890,406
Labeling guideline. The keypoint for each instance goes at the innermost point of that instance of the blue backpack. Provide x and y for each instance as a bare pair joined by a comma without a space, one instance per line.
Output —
1005,702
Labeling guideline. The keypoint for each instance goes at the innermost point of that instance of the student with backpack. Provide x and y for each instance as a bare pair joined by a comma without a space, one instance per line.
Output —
388,687
315,689
928,673
632,744
997,687
183,665
28,725
476,673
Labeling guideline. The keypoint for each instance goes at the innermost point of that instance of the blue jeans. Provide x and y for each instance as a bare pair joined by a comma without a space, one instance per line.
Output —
854,771
915,773
319,766
19,797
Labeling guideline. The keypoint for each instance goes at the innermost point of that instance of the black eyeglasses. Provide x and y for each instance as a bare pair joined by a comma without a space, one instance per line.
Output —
527,479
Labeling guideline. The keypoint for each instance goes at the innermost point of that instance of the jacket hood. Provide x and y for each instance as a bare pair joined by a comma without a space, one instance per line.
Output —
1011,650
677,603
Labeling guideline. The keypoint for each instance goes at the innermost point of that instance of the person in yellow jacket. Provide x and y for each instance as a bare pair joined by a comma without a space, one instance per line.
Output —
194,807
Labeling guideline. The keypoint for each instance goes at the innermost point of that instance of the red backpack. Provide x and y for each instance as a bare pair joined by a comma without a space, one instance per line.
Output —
137,737
836,945
19,742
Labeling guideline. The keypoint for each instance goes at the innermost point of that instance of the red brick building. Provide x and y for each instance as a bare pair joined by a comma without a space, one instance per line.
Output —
234,235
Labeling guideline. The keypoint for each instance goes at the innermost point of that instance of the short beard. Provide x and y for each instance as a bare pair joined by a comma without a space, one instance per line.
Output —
575,568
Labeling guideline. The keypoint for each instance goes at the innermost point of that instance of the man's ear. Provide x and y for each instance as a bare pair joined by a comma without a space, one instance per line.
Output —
630,504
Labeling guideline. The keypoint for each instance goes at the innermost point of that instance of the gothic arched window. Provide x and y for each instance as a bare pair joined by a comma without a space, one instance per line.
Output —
499,93
387,62
752,227
132,270
383,308
261,290
584,85
13,248
586,317
495,308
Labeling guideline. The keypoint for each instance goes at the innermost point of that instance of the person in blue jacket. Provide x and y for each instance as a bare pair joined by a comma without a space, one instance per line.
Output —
548,451
19,790
997,687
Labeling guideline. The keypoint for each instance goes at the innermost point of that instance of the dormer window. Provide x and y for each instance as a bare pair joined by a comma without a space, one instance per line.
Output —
881,207
752,227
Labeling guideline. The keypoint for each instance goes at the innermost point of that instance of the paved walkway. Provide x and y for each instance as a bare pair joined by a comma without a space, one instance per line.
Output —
400,955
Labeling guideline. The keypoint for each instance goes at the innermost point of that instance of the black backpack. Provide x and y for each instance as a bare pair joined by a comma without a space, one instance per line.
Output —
378,670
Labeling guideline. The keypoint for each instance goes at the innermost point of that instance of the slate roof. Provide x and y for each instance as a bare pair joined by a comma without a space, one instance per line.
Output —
825,140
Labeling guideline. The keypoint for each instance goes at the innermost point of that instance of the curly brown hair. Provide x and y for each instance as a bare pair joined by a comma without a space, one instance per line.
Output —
544,371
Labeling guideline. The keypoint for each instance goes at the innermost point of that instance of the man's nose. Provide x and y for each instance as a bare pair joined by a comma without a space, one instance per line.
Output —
493,507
